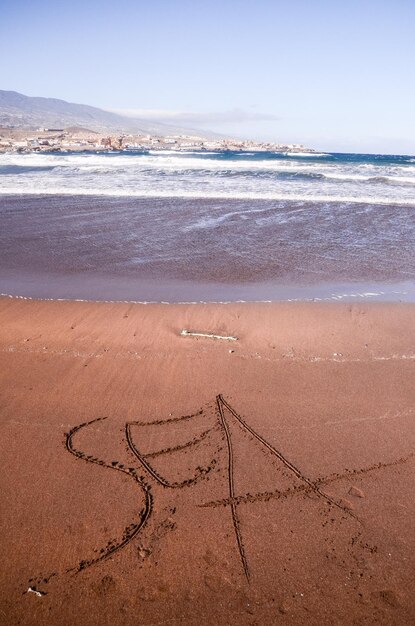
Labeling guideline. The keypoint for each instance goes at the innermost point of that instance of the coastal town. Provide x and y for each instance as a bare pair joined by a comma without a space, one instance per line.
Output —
78,139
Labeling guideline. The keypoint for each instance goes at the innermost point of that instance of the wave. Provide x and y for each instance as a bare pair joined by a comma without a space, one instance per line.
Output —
130,161
397,180
313,175
200,175
304,154
200,195
114,166
10,170
173,161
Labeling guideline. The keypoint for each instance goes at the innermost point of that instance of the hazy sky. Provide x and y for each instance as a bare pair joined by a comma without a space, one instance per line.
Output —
333,74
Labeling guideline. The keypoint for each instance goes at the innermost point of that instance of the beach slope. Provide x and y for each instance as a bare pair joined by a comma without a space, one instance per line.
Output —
153,476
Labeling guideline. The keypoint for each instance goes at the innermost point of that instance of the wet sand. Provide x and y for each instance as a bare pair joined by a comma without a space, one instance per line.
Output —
156,478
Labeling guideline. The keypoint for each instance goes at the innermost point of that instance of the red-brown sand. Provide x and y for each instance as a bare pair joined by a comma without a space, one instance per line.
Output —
154,478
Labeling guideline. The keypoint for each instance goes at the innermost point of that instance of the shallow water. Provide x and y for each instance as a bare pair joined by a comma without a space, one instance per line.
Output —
181,249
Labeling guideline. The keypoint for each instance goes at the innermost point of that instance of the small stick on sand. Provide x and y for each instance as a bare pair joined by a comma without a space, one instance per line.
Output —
188,333
38,593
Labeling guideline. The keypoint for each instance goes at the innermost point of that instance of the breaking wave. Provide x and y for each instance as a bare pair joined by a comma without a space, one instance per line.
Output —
317,177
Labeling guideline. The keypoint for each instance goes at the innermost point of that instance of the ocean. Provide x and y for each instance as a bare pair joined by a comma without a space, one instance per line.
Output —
187,226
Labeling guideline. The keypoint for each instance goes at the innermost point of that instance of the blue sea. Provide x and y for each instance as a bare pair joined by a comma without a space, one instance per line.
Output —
195,226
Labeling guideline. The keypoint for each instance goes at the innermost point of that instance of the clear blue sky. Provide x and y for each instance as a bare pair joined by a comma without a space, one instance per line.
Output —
333,74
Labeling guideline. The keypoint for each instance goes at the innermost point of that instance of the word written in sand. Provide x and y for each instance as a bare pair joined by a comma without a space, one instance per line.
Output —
211,453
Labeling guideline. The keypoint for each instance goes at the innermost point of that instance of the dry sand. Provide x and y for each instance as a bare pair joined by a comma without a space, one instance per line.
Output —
154,478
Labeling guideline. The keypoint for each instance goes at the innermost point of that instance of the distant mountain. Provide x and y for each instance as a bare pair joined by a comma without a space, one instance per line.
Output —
22,111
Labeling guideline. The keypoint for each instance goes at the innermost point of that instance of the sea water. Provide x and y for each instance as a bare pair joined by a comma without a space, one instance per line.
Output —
181,226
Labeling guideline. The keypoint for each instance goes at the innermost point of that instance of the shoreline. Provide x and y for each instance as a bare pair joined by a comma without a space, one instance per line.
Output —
308,406
125,289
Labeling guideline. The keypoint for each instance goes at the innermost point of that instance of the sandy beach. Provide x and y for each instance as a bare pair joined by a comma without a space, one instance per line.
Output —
152,477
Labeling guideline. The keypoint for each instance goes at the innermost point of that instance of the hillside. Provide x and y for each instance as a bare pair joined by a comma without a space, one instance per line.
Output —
20,111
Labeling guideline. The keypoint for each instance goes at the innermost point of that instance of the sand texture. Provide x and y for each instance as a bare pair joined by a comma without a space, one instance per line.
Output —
153,477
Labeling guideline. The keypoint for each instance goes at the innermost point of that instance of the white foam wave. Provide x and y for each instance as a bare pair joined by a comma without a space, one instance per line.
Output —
130,162
409,180
174,161
396,179
176,174
219,195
